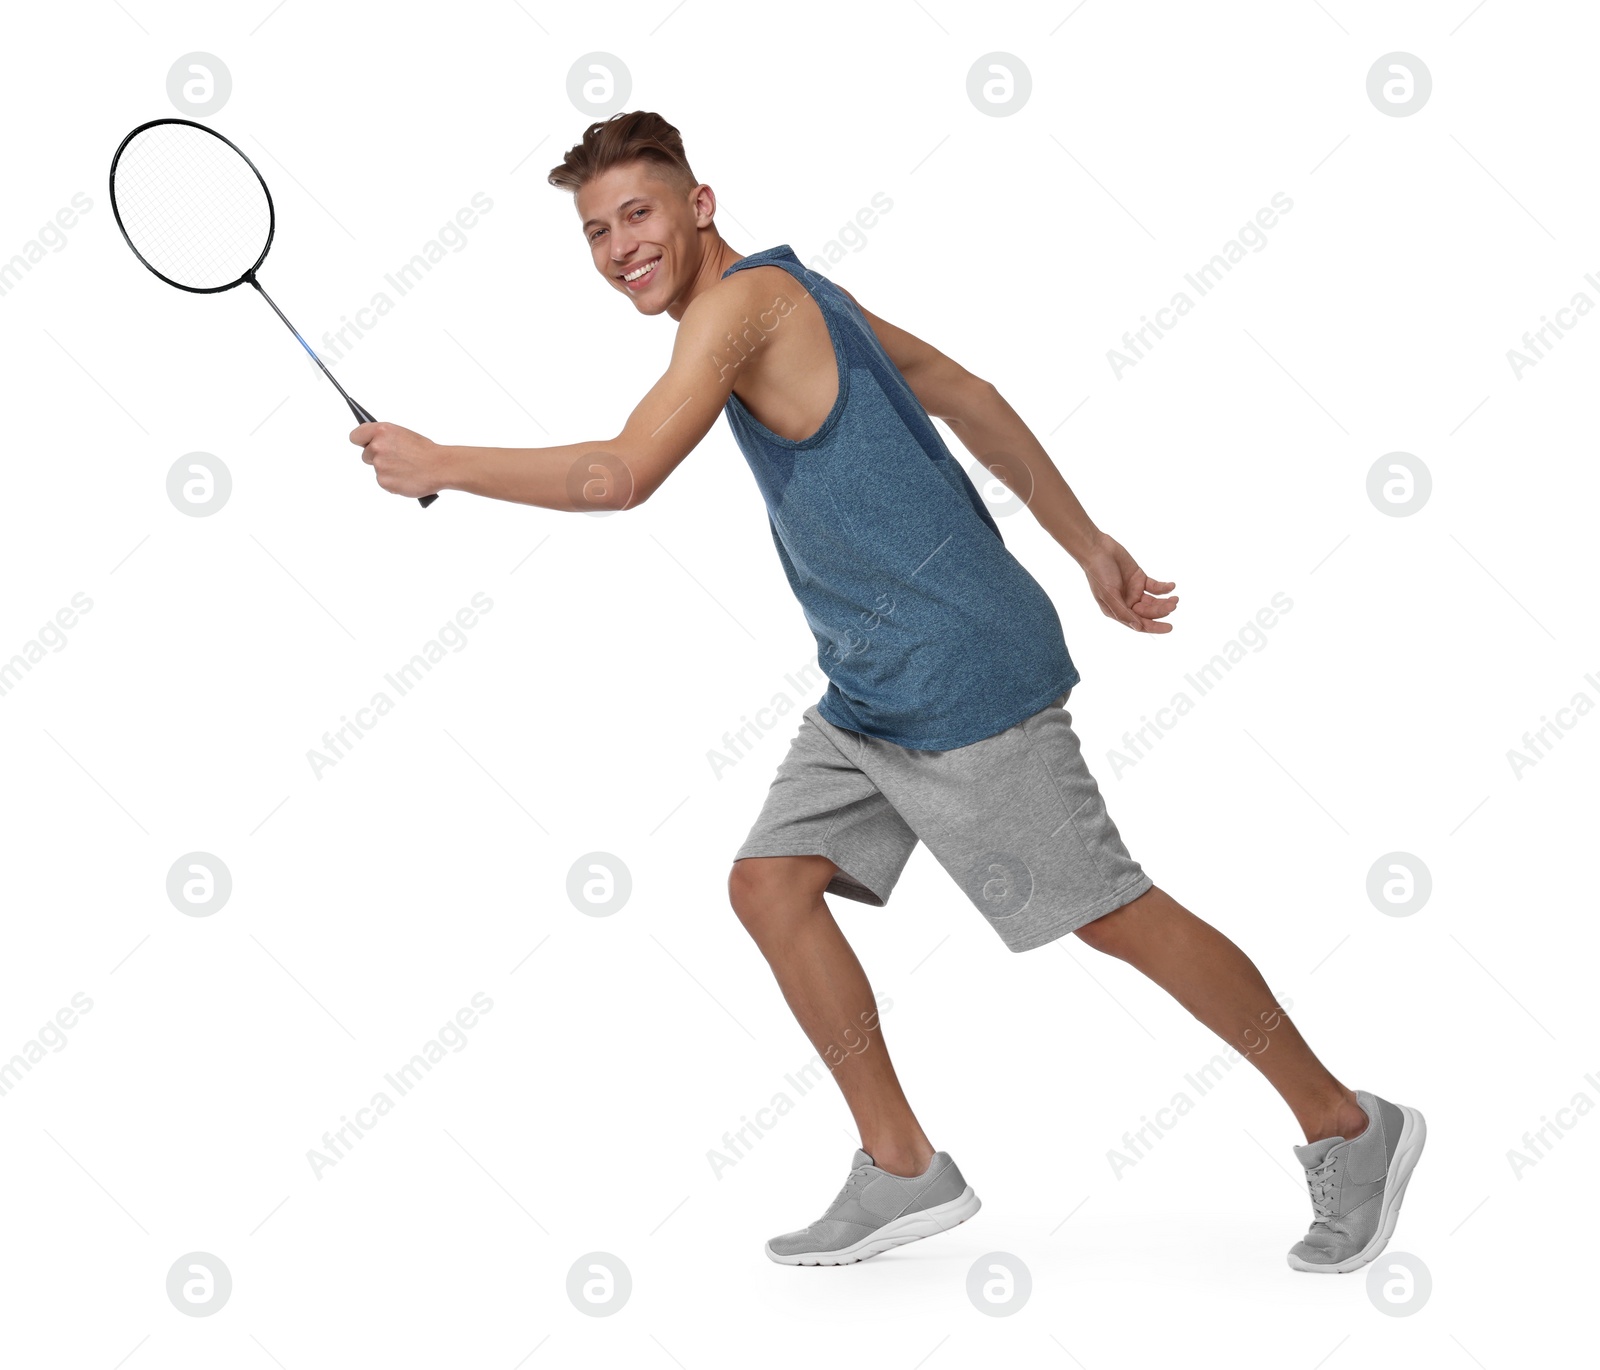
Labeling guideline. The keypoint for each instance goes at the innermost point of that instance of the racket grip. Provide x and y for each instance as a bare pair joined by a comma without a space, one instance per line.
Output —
363,417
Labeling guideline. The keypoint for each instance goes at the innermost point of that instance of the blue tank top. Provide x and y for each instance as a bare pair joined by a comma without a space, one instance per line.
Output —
931,633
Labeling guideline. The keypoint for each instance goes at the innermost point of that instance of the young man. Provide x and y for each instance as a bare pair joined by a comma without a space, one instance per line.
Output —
944,720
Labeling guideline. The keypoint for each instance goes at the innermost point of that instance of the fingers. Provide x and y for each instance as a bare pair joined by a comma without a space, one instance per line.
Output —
366,436
1150,607
1155,608
1120,604
1143,615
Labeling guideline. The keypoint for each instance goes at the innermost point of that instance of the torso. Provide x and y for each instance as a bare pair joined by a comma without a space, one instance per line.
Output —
788,376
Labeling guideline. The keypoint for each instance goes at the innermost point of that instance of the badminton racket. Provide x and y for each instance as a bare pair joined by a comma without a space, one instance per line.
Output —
195,210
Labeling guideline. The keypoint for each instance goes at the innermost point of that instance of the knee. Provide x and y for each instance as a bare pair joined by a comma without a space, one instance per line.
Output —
747,887
772,892
1111,933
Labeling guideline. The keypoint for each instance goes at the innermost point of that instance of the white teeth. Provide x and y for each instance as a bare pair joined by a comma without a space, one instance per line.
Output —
634,275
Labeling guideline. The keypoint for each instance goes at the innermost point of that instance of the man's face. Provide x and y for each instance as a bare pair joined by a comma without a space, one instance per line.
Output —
641,232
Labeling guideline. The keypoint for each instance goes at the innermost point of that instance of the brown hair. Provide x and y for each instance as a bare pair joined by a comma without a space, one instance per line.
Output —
622,138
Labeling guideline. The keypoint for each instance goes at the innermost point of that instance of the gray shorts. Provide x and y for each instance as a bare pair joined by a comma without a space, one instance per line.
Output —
1015,819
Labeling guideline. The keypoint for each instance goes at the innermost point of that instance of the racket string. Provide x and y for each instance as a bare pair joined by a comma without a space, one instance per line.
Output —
191,205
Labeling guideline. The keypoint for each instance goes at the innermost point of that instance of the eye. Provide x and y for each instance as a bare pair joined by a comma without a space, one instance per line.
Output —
596,234
641,210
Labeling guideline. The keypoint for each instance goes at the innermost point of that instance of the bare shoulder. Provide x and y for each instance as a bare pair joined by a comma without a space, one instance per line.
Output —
757,287
739,310
730,299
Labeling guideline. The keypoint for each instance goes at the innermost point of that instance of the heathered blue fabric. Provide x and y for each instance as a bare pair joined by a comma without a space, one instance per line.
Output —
931,633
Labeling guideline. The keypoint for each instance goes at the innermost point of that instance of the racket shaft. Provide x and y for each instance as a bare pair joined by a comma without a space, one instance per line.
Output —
362,416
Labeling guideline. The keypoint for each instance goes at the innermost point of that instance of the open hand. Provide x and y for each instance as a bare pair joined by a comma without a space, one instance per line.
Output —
1123,591
404,462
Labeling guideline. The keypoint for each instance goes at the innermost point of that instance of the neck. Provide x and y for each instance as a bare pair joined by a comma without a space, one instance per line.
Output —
715,258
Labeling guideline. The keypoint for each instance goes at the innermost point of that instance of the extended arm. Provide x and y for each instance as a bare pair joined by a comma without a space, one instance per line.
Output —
616,473
995,434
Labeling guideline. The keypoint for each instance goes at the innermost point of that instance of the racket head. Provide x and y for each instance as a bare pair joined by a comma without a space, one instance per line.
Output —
191,206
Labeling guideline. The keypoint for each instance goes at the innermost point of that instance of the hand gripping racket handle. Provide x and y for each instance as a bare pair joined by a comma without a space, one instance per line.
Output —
363,417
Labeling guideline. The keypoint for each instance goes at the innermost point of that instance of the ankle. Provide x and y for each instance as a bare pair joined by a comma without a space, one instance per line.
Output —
906,1159
1342,1116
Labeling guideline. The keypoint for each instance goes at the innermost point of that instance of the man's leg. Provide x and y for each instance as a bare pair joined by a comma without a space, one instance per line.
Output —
1221,986
779,901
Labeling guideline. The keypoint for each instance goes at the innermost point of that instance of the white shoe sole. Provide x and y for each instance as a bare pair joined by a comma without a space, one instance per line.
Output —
1413,1133
912,1227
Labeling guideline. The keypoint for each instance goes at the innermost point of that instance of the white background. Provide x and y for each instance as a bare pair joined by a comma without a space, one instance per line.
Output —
431,863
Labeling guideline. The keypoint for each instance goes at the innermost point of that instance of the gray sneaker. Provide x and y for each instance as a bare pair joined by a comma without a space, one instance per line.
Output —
876,1210
1356,1187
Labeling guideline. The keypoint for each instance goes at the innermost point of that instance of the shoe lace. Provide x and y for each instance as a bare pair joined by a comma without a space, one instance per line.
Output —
1321,1180
854,1181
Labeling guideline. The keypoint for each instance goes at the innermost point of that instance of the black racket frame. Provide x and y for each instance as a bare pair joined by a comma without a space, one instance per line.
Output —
362,415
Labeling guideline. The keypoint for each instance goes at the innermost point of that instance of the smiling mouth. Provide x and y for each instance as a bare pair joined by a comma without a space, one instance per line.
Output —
641,273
